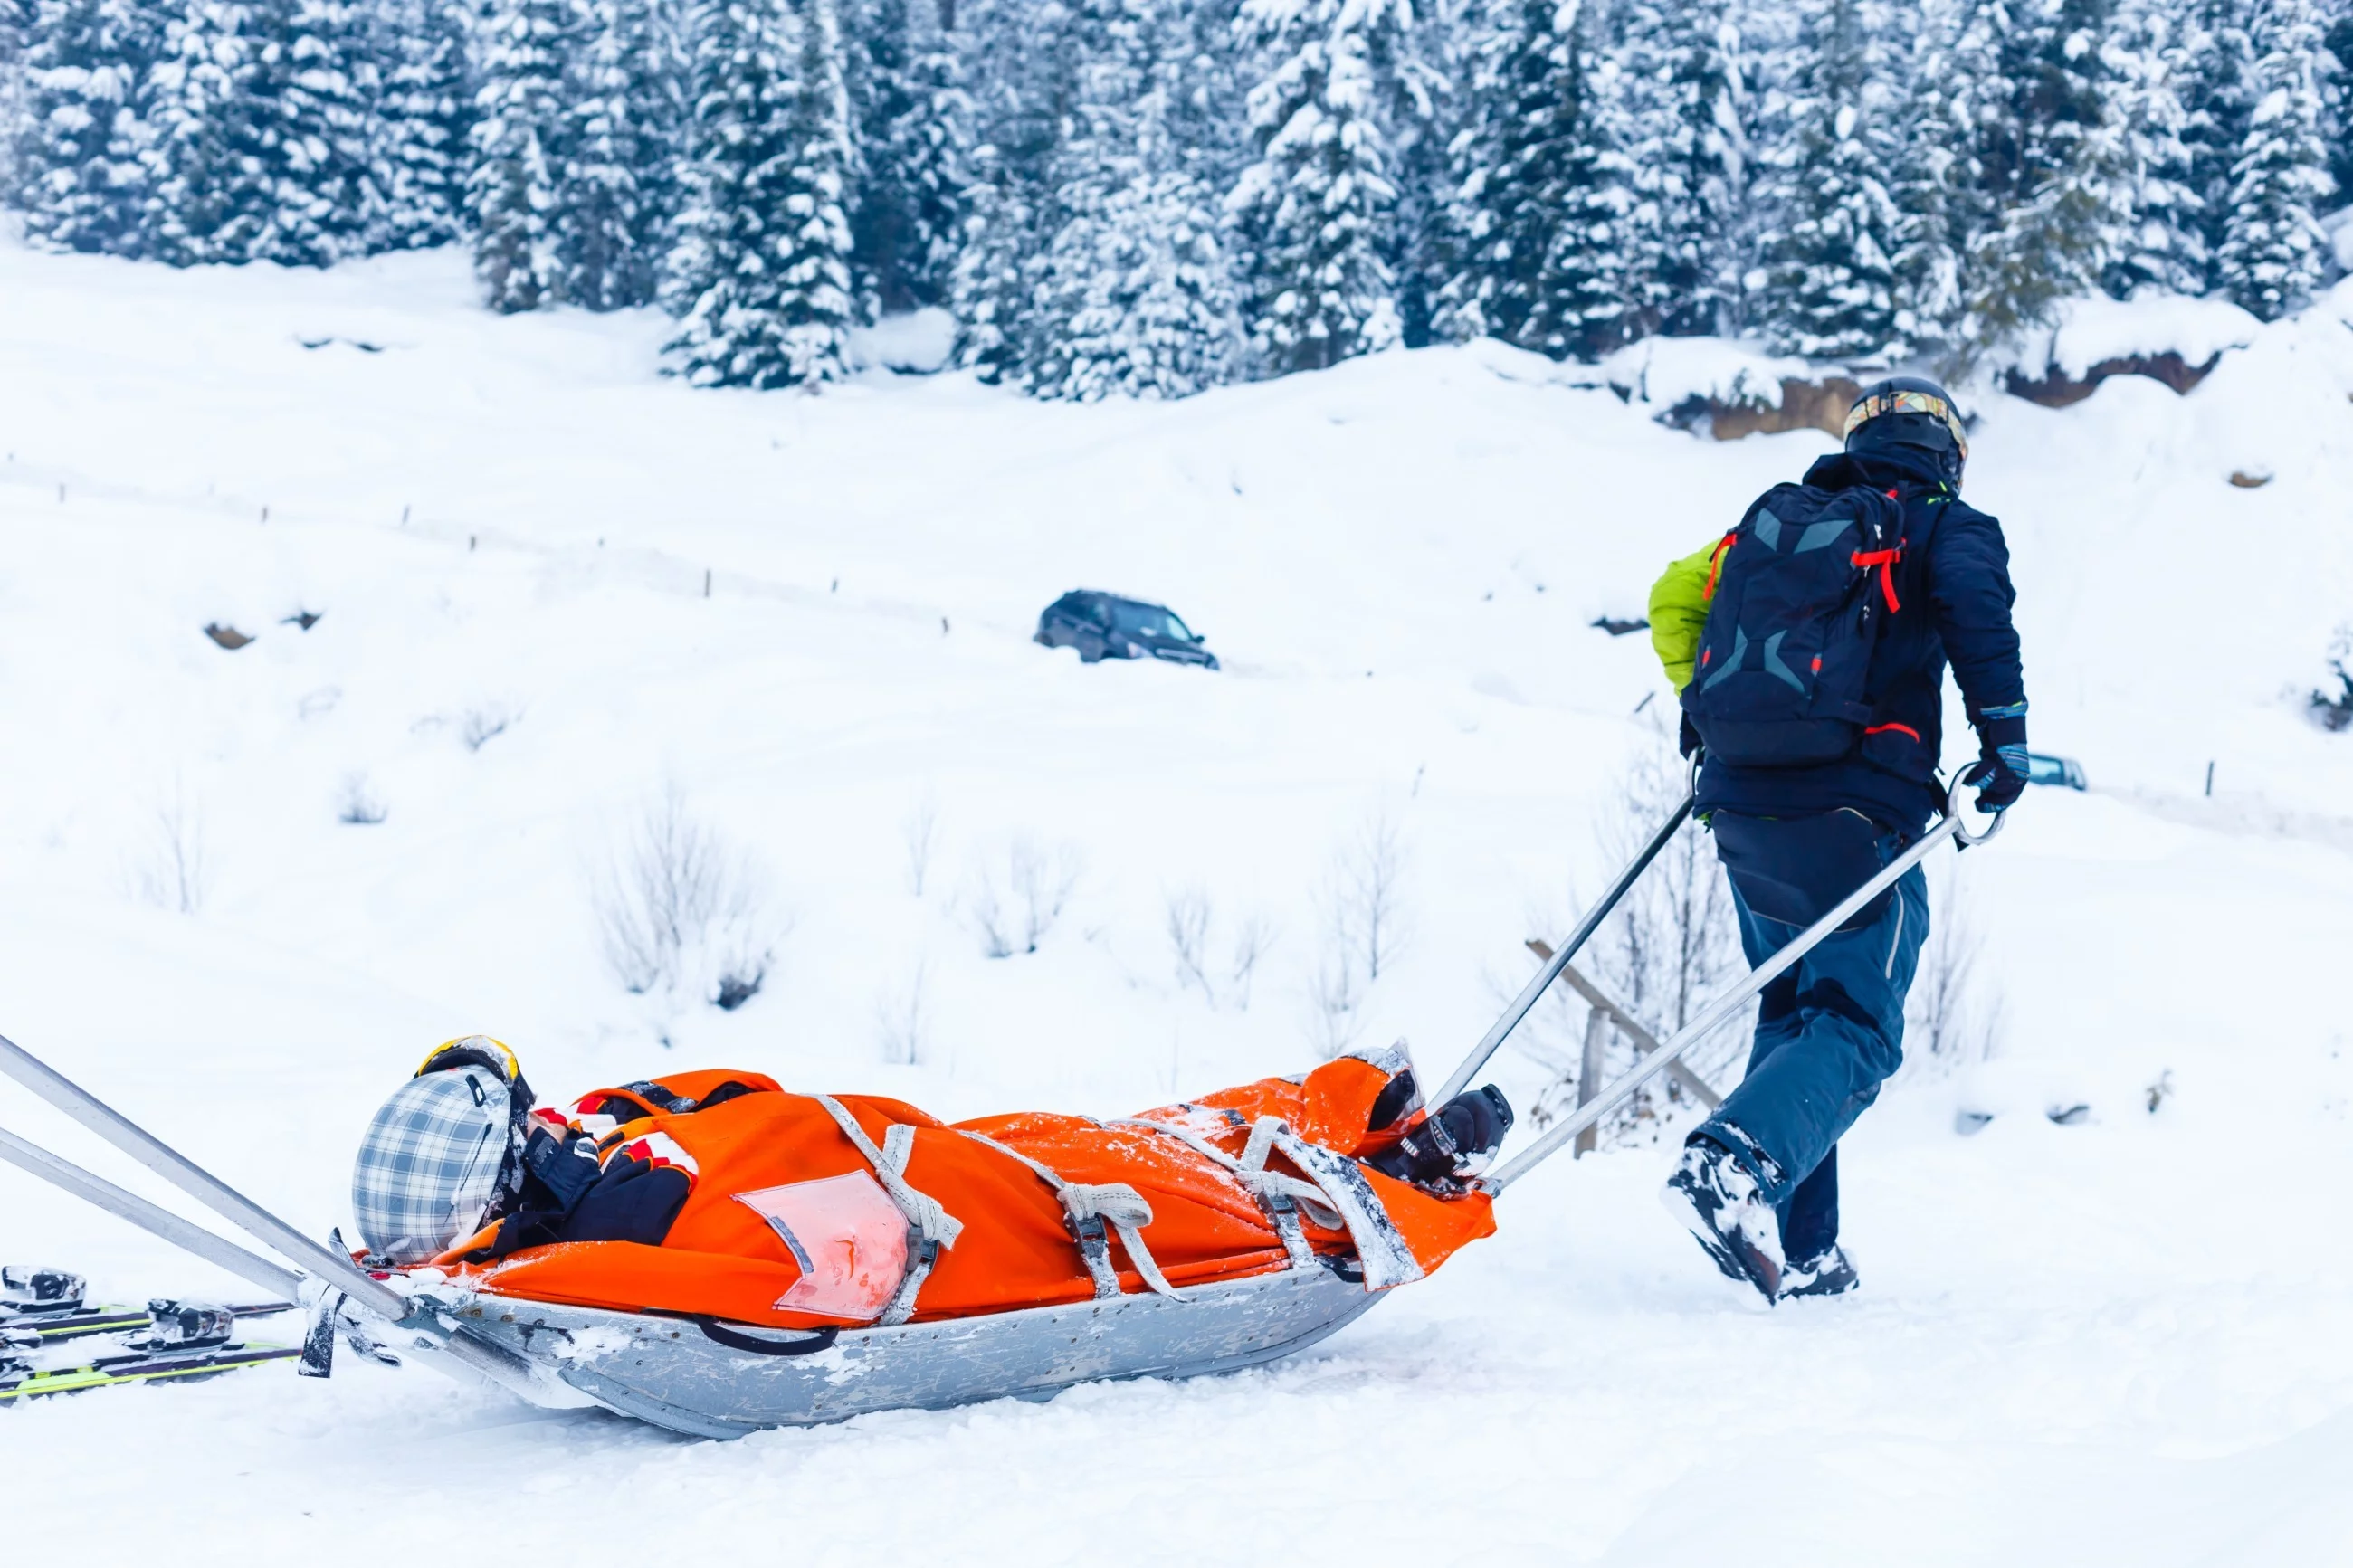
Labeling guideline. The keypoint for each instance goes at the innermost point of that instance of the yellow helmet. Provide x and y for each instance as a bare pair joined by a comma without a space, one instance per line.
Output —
480,1050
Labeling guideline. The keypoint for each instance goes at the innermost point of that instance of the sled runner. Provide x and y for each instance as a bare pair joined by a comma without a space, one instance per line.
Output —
708,1374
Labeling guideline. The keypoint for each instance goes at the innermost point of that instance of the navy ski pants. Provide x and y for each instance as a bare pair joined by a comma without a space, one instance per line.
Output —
1829,1033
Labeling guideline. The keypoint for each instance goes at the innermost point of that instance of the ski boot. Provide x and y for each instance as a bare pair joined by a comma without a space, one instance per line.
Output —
1830,1273
185,1326
1719,1203
39,1292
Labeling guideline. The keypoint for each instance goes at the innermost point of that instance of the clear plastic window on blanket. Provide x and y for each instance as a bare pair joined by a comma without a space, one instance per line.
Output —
848,1239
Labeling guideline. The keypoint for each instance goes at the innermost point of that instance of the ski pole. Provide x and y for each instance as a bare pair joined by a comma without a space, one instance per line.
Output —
1493,1040
1731,1000
147,1217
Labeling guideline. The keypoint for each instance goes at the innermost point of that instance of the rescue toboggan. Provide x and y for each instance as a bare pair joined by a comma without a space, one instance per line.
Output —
712,1378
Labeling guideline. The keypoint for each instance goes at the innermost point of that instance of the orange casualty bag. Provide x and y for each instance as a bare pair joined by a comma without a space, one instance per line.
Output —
808,1210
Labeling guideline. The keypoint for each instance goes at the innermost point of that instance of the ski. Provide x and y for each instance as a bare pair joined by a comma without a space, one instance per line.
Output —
50,1303
88,1320
19,1379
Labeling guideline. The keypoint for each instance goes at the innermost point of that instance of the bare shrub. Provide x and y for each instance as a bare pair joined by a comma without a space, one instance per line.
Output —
1252,940
1189,918
169,868
680,909
1366,926
1017,897
1950,1019
1335,998
1364,895
357,803
480,725
902,1017
919,830
1671,942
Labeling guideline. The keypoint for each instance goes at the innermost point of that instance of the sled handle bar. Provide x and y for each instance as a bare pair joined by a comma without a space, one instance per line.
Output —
157,1222
198,1182
490,1362
1493,1040
366,1291
1721,1007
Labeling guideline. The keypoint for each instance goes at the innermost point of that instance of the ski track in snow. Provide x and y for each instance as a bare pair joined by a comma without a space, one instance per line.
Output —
2118,1342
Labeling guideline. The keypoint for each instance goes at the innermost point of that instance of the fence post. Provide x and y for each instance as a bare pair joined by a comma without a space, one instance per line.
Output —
1589,1070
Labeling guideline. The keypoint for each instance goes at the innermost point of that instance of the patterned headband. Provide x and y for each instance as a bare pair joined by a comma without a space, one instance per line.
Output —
1935,407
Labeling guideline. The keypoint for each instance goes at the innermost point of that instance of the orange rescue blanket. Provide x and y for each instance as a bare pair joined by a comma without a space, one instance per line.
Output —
791,1222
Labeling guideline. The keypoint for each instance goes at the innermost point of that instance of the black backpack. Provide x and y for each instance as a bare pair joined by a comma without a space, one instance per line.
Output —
1799,591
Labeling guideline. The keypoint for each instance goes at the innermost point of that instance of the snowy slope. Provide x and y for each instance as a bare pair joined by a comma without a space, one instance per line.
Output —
2119,1341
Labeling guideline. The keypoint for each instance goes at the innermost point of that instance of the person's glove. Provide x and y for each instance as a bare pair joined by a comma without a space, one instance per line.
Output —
1452,1144
1999,772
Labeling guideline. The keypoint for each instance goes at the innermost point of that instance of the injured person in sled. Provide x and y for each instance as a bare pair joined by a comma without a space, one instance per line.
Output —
718,1194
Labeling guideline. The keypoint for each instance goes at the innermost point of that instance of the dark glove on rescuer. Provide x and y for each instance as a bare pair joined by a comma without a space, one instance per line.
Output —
1999,772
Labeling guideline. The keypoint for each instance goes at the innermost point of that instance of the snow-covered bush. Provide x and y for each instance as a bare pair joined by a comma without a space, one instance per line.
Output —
2334,711
357,803
681,910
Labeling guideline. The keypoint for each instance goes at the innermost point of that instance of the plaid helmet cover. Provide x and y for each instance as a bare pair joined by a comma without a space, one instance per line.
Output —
432,1164
1909,402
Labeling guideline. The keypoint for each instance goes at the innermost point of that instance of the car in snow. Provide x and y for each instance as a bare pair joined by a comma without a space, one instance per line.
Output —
1108,626
2061,772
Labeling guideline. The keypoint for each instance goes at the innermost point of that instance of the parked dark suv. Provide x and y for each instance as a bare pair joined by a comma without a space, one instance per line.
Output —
1104,625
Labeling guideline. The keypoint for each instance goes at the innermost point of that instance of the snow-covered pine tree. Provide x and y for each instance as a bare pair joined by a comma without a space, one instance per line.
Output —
1417,67
1830,225
204,200
1544,198
1024,56
424,116
1136,293
1680,68
2053,159
2273,254
76,167
762,269
1938,183
1316,204
2163,247
914,130
258,152
513,189
2336,41
2213,65
616,193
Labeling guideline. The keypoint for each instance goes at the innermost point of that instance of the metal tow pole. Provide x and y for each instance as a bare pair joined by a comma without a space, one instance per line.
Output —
1493,1041
1737,996
488,1362
157,1222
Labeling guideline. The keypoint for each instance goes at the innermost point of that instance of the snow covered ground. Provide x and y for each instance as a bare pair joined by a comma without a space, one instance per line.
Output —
808,619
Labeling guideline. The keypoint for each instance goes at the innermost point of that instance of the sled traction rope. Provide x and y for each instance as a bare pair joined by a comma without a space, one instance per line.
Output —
1091,1206
1335,1186
1281,1196
1720,1008
933,1226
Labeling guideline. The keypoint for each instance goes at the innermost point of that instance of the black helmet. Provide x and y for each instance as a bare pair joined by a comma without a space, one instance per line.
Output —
1909,411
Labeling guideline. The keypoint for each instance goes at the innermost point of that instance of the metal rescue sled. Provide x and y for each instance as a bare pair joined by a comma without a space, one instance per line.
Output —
715,1379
